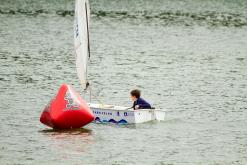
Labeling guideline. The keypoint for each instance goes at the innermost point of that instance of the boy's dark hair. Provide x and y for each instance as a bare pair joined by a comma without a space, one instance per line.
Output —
136,93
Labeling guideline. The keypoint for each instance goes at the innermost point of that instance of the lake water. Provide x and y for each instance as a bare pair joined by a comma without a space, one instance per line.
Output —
186,56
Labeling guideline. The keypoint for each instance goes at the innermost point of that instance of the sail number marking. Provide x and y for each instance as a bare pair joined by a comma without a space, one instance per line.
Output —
70,105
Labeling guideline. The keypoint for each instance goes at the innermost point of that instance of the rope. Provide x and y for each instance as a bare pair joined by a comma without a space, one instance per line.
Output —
92,95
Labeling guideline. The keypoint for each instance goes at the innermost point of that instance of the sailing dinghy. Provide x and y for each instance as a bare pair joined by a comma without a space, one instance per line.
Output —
103,113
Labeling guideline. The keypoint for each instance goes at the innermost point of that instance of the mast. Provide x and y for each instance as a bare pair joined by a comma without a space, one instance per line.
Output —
88,36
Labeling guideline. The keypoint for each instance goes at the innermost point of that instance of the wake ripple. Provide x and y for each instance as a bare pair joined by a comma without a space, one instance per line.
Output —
164,17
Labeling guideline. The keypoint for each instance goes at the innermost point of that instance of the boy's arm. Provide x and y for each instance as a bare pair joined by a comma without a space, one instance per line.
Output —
134,105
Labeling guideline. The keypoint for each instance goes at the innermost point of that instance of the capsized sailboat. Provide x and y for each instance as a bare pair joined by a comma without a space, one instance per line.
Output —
103,113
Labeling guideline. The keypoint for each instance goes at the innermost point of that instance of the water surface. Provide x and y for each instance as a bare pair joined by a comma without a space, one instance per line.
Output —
188,57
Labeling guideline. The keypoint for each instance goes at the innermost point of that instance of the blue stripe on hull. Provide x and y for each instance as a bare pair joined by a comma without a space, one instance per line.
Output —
122,121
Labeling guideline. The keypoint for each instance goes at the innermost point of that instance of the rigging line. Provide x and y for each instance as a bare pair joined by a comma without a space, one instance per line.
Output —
97,98
90,93
89,88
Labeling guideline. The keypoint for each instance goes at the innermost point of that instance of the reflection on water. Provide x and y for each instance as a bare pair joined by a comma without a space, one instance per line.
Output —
75,141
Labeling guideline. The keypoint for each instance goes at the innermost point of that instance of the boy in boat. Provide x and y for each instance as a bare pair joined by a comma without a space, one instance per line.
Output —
139,103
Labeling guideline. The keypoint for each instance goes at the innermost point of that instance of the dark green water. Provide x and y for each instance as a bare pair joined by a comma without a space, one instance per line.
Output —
187,56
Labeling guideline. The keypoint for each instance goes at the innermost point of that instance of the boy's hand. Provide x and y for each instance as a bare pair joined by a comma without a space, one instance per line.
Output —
137,107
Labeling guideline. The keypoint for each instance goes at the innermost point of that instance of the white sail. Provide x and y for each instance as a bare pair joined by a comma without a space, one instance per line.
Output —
81,39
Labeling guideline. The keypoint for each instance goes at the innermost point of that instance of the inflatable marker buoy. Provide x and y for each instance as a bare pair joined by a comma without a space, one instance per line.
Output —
66,110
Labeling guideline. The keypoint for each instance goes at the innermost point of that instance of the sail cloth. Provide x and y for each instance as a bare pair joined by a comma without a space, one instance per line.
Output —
81,39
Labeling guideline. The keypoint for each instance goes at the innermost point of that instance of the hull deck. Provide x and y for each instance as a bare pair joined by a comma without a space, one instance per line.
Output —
123,115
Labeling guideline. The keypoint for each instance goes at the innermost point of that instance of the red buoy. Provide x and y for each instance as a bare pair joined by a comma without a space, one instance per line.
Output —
66,110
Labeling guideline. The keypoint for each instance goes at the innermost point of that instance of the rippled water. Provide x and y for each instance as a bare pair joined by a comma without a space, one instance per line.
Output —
188,56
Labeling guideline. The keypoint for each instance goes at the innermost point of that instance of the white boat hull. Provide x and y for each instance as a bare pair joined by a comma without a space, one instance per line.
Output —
120,114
